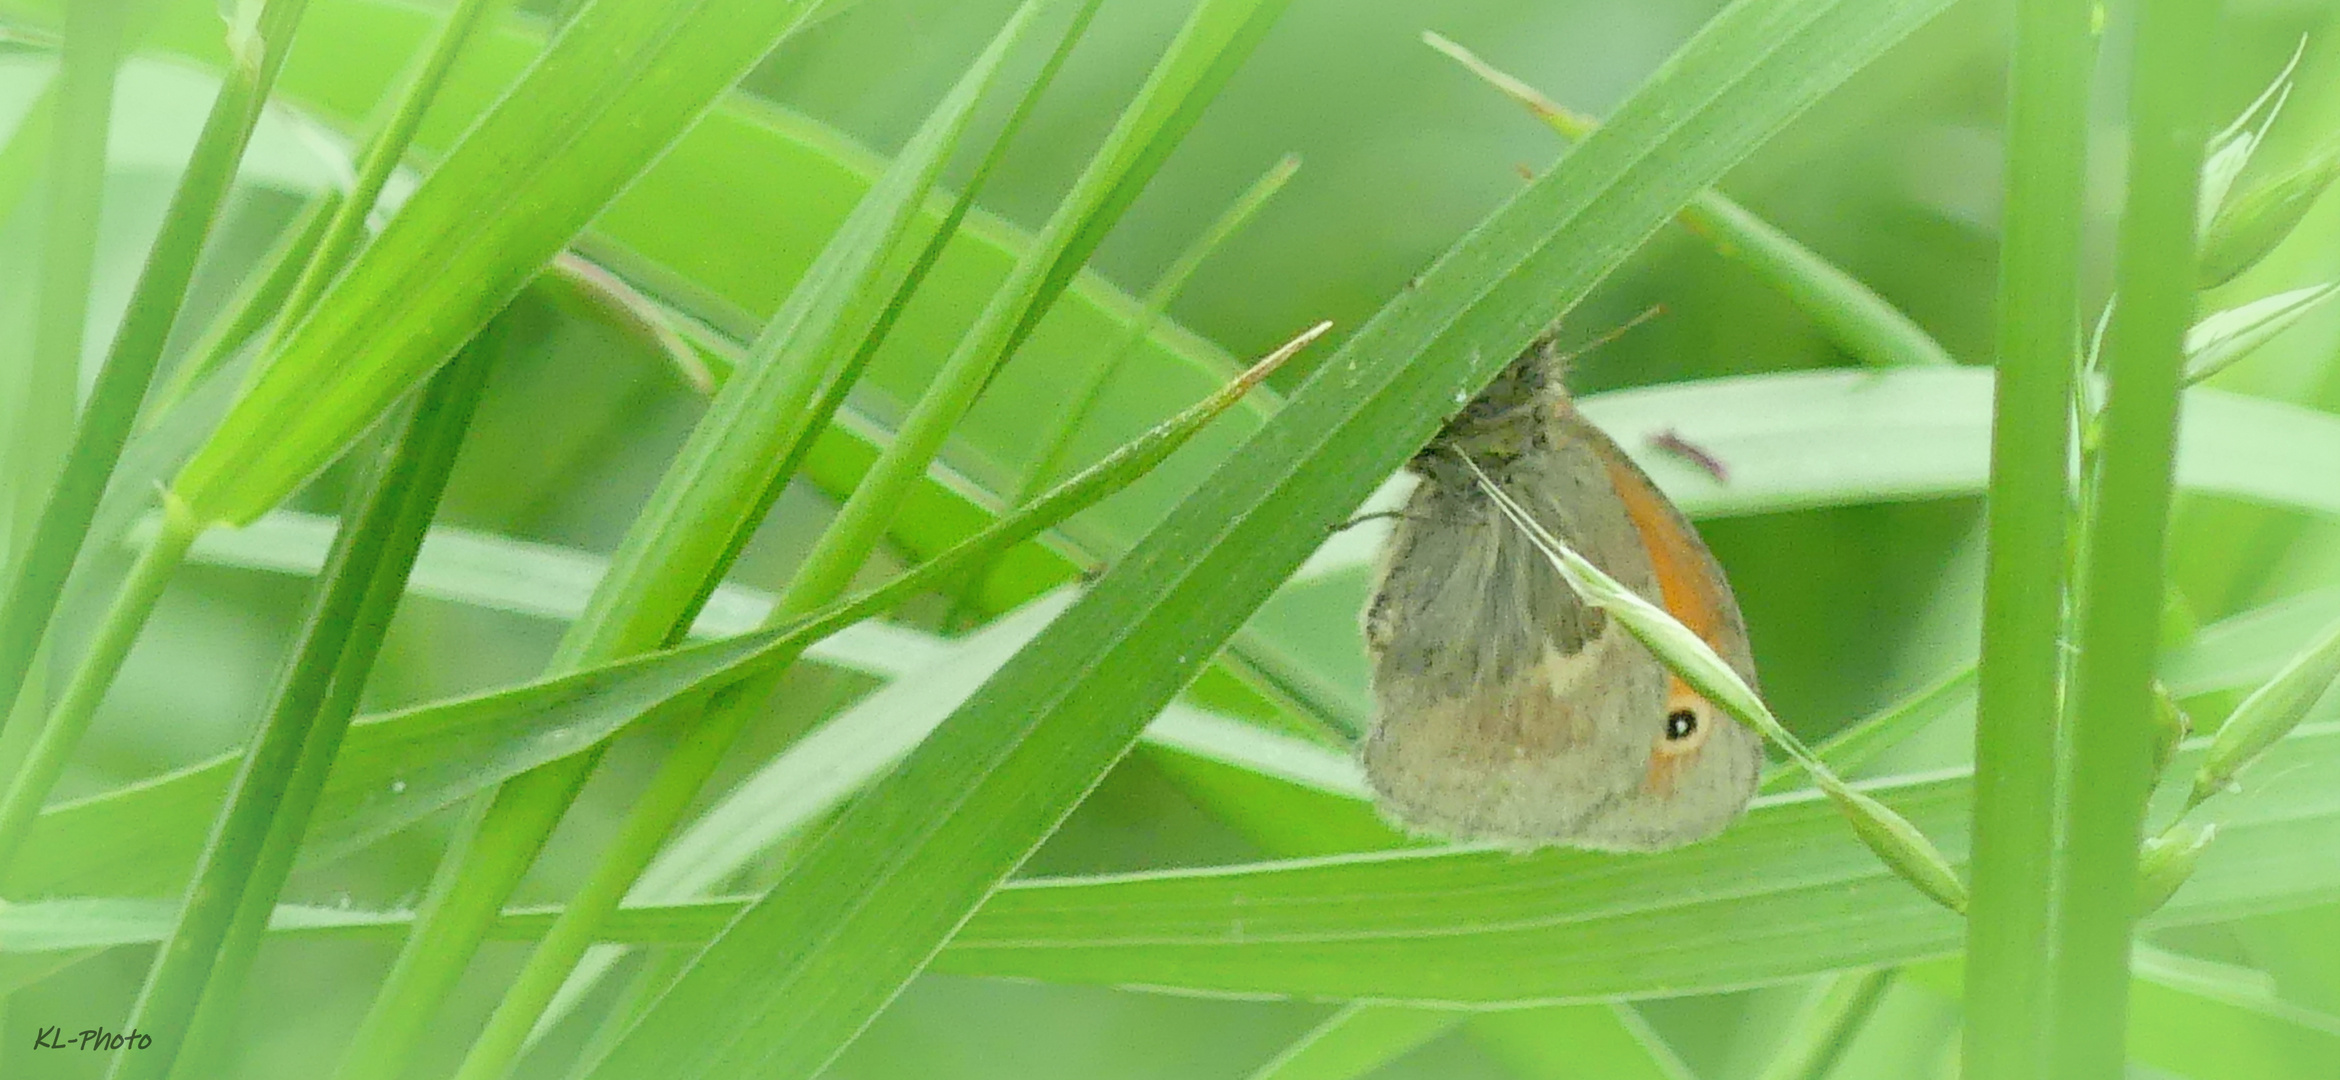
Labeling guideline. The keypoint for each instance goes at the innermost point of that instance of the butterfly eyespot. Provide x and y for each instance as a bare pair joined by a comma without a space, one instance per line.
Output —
1681,724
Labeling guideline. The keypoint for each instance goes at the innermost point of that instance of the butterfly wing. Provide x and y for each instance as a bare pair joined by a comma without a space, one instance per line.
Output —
1510,710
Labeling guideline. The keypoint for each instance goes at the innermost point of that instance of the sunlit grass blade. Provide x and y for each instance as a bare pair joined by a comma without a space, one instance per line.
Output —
39,574
1866,324
874,894
1355,1041
250,852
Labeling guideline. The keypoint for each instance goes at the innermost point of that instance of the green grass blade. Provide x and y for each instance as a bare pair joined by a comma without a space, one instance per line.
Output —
710,501
245,863
799,973
2019,682
620,85
1479,928
1818,1033
312,261
111,411
2100,817
41,411
1215,40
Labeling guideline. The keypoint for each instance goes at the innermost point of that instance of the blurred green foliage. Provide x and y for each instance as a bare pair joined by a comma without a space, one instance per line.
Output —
1894,178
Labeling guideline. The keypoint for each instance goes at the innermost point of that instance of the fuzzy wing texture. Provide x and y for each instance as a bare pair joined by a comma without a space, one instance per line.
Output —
1509,710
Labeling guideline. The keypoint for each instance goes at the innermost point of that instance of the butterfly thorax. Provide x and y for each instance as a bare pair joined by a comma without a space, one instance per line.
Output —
1504,423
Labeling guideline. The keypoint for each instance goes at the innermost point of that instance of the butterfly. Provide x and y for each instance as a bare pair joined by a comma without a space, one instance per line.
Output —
1507,708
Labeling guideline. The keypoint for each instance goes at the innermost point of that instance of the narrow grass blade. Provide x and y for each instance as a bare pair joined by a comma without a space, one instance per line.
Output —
1057,442
1863,322
1355,1041
250,852
40,412
2109,744
1829,1019
797,975
2019,681
1215,40
622,82
108,417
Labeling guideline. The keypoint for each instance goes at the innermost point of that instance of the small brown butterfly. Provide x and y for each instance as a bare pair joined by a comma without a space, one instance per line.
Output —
1508,708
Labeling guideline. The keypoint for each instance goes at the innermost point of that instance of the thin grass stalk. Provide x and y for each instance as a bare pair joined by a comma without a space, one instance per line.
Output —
366,572
2018,682
42,420
2111,742
122,384
77,705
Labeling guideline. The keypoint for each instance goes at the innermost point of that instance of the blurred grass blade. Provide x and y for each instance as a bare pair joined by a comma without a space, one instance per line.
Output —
1606,1039
686,768
2224,337
39,575
1355,1041
621,83
1864,323
250,853
2268,714
38,414
2108,747
256,302
800,972
1831,1015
